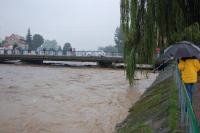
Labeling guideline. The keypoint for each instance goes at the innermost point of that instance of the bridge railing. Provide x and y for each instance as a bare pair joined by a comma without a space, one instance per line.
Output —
60,53
188,120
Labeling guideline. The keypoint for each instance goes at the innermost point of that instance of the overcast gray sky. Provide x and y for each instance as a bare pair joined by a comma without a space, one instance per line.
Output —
86,24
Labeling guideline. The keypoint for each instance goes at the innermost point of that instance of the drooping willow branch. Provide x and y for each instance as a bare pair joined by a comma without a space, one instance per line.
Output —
148,24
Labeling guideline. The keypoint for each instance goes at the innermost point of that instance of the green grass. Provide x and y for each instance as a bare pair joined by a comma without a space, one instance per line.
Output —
155,112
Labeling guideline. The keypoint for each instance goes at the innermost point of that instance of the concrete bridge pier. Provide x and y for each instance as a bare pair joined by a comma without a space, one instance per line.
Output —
104,64
2,60
33,61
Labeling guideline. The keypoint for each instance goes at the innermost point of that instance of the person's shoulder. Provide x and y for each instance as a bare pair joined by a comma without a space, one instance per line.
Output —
195,60
181,61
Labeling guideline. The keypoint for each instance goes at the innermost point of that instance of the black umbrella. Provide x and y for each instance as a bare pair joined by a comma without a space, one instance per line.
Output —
182,49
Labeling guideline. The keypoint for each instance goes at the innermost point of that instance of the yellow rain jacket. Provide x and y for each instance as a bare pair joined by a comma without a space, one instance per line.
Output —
189,69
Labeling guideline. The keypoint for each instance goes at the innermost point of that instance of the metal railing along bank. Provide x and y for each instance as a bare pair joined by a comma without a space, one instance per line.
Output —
188,120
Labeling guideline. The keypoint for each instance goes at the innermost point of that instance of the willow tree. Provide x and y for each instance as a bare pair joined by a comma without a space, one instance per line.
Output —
148,24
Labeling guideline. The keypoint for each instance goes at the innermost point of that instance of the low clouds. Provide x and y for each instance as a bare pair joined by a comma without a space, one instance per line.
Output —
86,24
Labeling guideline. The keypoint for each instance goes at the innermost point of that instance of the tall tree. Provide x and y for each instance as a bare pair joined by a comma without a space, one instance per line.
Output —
67,47
59,48
109,49
50,45
37,41
1,42
148,24
29,39
119,40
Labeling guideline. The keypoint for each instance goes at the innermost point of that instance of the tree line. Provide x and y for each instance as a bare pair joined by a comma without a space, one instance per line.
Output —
119,43
38,42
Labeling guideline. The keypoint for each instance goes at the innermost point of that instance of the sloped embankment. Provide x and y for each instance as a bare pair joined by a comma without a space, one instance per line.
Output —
155,112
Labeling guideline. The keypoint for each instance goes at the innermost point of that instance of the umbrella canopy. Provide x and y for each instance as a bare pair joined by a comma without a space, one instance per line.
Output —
182,49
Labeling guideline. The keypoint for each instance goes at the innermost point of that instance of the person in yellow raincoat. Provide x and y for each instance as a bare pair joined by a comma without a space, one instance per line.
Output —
189,68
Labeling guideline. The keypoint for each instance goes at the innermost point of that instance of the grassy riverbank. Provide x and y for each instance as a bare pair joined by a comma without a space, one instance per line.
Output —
155,112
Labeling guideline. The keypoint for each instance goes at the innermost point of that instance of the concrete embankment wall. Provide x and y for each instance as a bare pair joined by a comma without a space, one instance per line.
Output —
156,111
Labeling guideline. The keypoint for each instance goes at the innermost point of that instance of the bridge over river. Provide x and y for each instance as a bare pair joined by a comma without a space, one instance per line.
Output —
102,60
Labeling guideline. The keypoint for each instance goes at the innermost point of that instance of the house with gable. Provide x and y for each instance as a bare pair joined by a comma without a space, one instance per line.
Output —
15,41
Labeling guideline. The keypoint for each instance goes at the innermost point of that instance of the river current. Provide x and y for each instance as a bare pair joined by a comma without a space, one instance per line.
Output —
53,99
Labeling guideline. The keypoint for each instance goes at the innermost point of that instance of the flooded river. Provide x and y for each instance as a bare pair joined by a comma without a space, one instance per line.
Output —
47,99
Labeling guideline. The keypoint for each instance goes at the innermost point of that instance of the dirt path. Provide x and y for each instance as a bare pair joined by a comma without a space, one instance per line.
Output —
196,99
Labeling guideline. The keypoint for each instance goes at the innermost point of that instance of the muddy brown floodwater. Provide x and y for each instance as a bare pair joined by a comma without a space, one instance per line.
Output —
46,99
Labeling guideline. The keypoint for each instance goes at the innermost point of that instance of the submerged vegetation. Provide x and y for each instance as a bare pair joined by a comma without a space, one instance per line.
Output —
156,111
148,24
